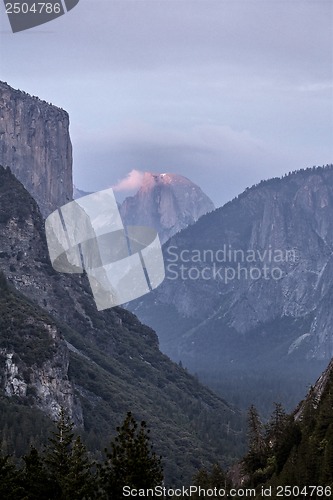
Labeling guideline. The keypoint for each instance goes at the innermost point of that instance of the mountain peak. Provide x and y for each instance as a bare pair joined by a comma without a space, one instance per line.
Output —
168,202
151,179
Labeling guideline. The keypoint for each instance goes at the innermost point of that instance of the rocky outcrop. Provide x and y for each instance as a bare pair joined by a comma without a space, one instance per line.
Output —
315,394
34,358
35,144
14,384
167,202
46,387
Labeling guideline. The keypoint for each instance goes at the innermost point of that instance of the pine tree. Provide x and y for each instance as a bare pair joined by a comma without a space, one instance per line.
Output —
276,427
326,470
80,483
256,432
290,439
201,478
10,488
131,461
68,464
216,478
58,453
35,479
256,458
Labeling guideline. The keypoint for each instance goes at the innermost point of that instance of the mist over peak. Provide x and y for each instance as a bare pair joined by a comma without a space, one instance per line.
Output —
168,202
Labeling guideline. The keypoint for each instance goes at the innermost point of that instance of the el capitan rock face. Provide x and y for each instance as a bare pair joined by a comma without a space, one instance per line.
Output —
35,144
167,202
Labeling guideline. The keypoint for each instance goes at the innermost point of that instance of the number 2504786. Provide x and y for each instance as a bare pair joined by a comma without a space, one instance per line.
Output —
34,8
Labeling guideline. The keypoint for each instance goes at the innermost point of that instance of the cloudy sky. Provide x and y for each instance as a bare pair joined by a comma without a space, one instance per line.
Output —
225,92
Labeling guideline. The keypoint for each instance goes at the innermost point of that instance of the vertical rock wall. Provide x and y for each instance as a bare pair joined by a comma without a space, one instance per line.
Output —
35,144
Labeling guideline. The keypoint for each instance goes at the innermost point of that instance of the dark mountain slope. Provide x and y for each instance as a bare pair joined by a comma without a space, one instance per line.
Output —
111,361
248,293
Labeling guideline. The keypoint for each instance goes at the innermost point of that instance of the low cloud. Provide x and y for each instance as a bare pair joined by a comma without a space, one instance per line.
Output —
131,182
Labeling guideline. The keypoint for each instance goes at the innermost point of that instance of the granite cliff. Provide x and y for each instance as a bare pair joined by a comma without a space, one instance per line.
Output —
167,202
35,144
248,290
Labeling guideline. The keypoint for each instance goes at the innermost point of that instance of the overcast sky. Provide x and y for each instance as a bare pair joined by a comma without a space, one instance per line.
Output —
225,92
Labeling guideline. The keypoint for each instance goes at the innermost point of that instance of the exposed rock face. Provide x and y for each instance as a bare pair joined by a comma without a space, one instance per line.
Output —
316,392
35,144
167,202
214,315
14,384
34,358
46,387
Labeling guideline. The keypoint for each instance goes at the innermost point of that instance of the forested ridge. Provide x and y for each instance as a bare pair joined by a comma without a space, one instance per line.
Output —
65,470
289,456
